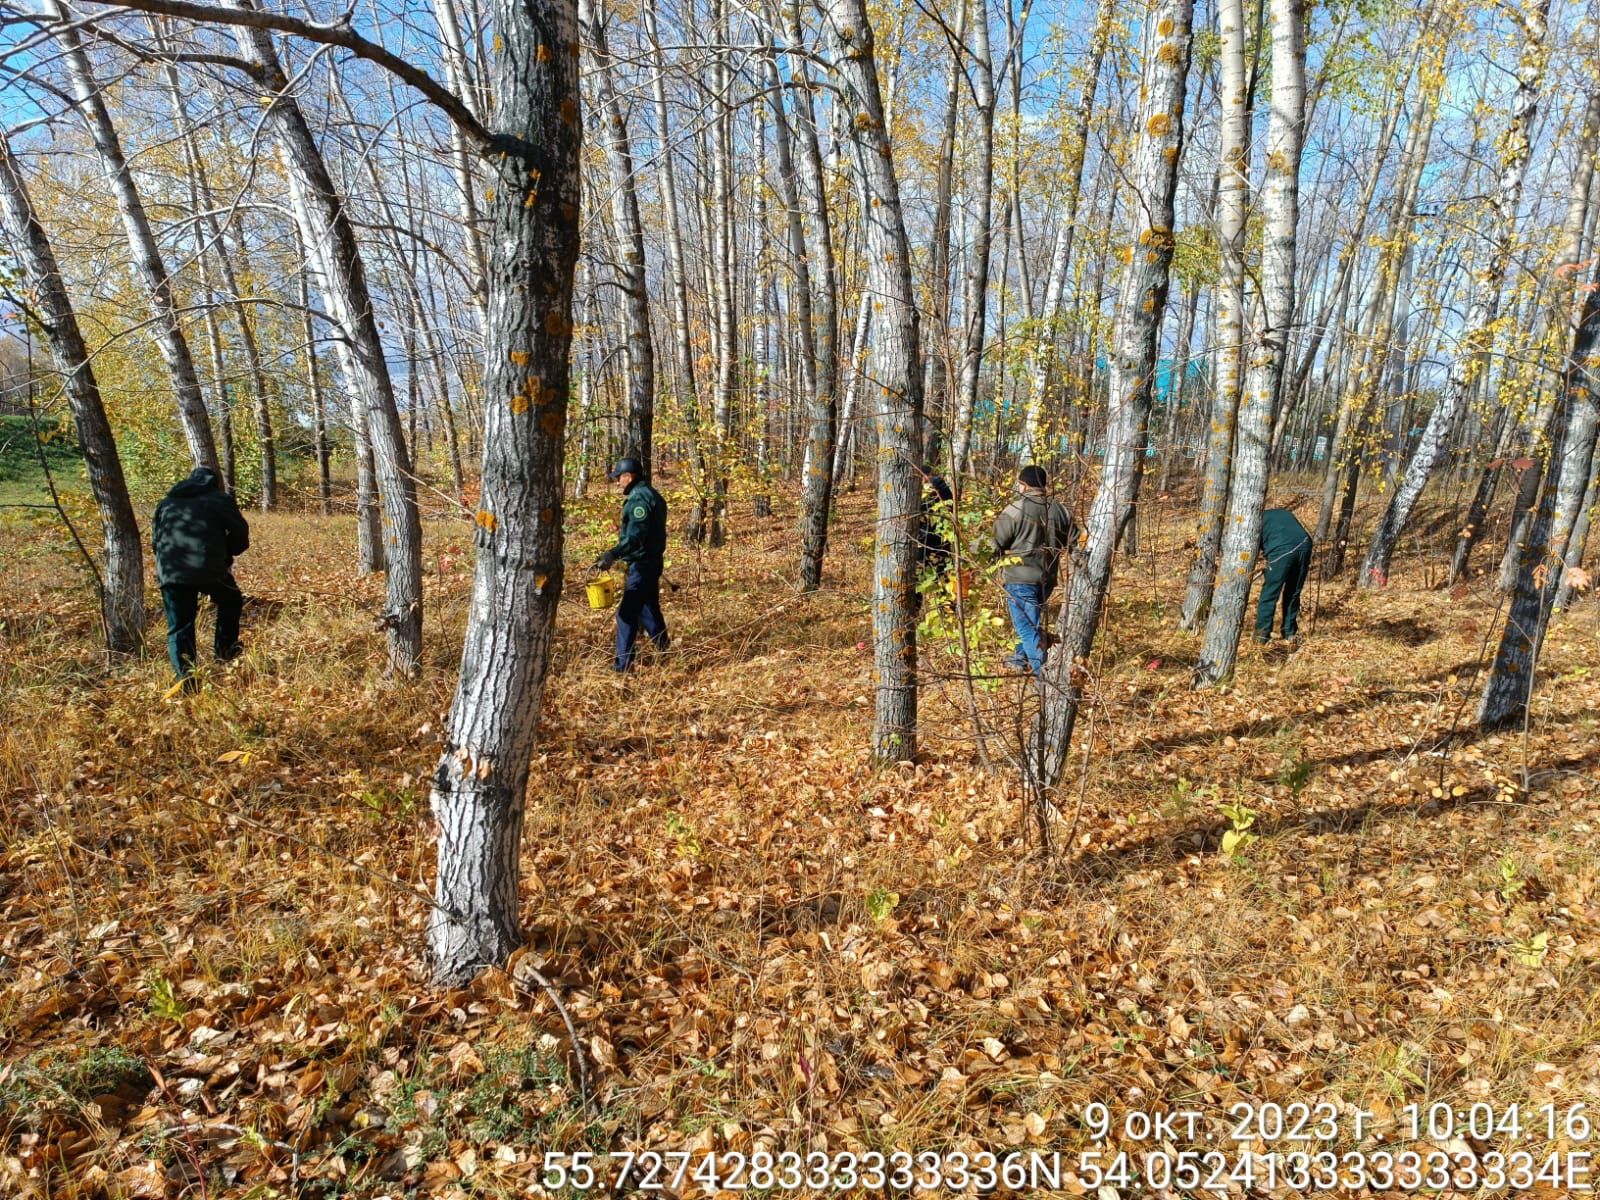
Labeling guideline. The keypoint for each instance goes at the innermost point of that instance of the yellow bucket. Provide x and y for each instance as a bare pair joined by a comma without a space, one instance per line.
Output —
602,593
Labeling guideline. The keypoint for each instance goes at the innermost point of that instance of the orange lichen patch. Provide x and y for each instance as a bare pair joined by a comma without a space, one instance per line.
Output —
569,112
484,519
519,403
553,422
542,54
520,357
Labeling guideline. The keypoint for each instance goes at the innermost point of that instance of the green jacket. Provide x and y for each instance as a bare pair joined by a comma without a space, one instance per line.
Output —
1038,531
642,540
197,532
1281,535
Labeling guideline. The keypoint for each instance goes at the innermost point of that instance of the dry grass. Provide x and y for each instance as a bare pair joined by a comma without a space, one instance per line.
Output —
763,941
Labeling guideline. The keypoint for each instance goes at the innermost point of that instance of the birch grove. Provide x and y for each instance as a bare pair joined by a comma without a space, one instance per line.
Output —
817,266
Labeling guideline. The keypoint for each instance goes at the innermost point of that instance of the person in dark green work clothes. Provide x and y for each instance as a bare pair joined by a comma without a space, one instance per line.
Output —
197,533
641,544
1286,556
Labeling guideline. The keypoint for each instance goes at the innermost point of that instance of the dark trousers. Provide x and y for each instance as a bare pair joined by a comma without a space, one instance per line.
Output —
1285,577
640,608
182,603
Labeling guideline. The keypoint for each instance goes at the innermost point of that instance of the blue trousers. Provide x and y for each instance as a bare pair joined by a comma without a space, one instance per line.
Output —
639,608
182,604
1026,602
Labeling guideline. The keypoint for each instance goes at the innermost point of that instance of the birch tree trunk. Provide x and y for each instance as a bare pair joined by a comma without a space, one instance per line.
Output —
722,270
147,259
816,295
860,343
1233,198
1280,202
453,53
937,350
899,386
319,402
1557,317
121,578
1055,291
1378,325
1142,299
1478,334
628,231
974,300
330,238
1507,691
480,785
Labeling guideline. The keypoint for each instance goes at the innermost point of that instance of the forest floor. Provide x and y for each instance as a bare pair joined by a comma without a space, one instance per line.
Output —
1318,884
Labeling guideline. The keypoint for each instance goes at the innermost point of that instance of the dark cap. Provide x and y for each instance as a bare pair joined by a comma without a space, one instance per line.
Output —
625,466
1033,476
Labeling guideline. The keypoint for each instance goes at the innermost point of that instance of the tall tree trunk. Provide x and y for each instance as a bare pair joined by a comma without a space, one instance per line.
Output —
1508,689
121,579
1557,319
815,303
329,235
1479,326
146,252
1379,322
1280,203
1043,357
974,300
480,785
860,343
628,230
899,386
319,403
210,240
937,352
1142,300
1228,298
453,53
677,276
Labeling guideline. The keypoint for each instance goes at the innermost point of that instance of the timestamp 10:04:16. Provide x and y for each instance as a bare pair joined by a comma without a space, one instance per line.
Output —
1484,1122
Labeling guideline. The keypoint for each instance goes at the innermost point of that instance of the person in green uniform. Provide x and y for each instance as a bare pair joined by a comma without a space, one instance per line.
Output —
197,532
1286,558
642,544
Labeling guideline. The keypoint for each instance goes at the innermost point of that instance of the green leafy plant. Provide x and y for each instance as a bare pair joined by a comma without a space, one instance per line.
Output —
1237,838
164,1003
881,902
1511,881
1530,951
683,833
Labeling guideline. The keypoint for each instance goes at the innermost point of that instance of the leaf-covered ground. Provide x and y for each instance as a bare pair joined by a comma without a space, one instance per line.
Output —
1317,885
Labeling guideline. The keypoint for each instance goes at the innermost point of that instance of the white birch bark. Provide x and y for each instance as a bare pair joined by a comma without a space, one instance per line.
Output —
121,579
146,251
1142,299
1280,203
1233,198
1479,325
898,381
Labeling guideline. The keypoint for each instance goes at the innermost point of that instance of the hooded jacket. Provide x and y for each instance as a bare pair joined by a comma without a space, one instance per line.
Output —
198,531
1038,531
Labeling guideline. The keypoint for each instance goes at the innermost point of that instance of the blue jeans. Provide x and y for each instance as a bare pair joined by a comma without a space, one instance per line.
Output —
1026,602
639,608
